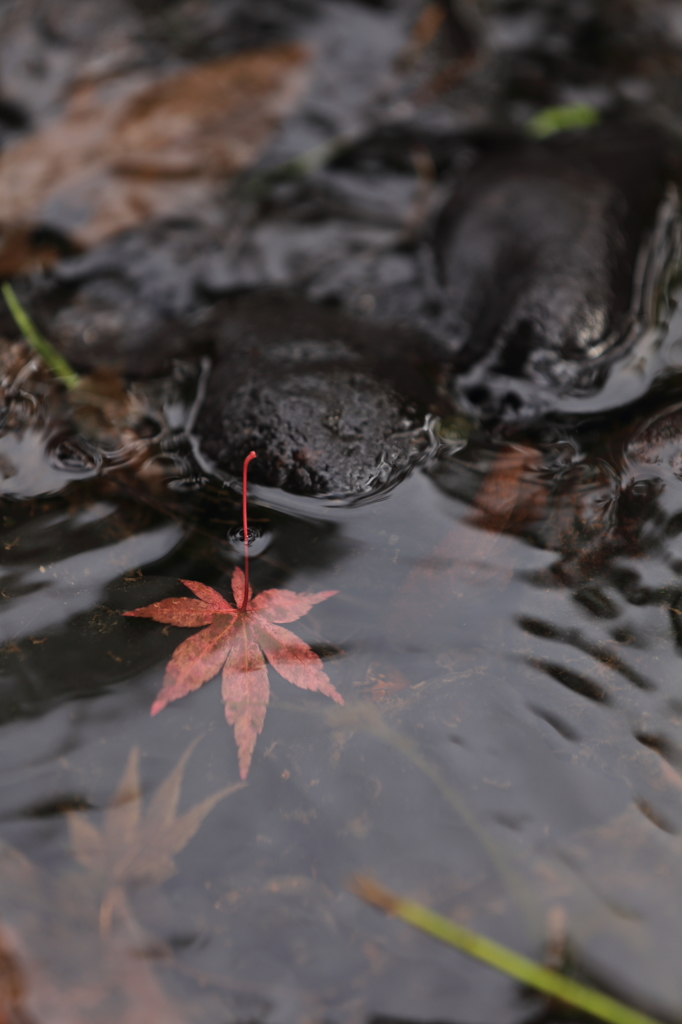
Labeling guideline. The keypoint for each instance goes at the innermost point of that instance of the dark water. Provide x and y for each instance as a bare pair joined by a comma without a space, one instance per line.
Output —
506,637
509,751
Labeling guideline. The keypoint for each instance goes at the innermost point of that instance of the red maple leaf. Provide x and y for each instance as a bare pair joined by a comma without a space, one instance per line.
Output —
236,638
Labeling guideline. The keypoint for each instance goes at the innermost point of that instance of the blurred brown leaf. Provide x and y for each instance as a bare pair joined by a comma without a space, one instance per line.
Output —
127,150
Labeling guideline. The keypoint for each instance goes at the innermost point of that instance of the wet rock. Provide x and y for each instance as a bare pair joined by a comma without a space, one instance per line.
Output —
549,256
130,305
331,406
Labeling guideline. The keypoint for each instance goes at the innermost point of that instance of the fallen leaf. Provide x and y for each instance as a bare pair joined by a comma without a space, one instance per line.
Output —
133,846
236,640
211,120
56,965
511,494
114,986
128,149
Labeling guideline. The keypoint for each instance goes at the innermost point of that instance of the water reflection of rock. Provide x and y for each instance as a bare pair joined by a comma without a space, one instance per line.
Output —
608,515
589,498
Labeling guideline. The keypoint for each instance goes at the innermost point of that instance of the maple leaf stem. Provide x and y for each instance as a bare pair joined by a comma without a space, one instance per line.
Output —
245,525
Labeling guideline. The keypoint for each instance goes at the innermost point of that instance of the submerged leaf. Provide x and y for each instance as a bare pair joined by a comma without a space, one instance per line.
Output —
236,639
512,493
137,846
134,147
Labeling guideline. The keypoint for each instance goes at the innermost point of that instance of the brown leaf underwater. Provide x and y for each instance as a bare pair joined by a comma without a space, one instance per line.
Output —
133,844
71,948
128,149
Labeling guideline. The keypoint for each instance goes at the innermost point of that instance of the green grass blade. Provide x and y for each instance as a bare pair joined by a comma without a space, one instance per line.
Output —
569,117
47,352
496,955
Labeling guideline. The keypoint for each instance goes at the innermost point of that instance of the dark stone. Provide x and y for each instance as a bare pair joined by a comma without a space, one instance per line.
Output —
129,305
330,405
537,252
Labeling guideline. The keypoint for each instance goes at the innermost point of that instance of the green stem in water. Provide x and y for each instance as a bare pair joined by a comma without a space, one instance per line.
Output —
47,352
496,955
